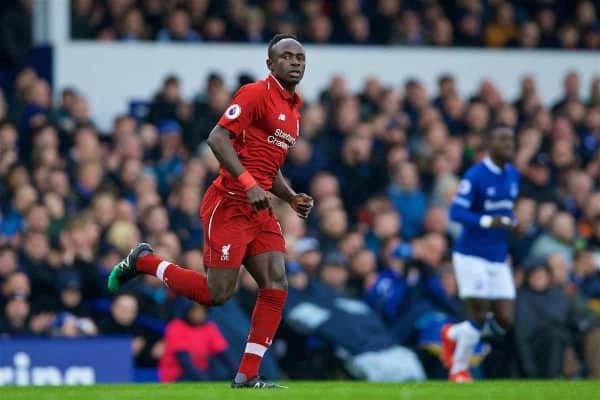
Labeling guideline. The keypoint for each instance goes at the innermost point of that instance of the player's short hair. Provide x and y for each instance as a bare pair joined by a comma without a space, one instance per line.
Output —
276,39
500,128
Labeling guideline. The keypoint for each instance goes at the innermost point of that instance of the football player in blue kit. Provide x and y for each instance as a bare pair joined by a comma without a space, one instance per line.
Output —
484,207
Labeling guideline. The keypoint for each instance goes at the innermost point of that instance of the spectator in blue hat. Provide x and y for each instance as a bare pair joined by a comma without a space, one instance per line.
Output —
334,271
308,255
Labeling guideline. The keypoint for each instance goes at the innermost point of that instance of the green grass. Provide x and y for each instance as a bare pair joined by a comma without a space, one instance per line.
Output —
501,390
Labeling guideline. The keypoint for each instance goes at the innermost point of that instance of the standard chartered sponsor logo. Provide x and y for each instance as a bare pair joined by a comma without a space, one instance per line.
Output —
281,139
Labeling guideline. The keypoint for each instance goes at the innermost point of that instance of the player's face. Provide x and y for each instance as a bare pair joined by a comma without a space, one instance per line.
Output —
502,145
288,61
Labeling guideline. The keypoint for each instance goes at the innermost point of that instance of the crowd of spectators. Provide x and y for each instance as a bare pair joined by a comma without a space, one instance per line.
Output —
491,23
382,164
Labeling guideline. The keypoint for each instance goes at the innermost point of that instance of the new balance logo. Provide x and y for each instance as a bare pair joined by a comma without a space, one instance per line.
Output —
225,252
281,117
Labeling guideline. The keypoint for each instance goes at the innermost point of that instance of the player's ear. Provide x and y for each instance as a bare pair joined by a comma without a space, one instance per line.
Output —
269,64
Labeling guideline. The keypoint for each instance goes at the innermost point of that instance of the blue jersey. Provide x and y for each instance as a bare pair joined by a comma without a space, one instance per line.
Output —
486,189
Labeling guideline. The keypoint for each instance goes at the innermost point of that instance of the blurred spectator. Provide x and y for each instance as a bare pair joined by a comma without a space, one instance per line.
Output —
184,217
474,23
16,317
502,29
559,240
165,103
123,320
408,200
547,326
334,272
381,162
178,28
15,32
192,345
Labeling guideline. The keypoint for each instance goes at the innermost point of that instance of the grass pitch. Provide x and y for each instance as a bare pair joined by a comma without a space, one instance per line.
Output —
492,390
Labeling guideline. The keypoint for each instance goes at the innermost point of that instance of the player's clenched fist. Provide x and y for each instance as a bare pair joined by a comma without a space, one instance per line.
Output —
302,204
259,199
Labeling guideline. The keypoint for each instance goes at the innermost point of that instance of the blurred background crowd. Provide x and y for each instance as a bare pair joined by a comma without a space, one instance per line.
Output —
492,23
383,164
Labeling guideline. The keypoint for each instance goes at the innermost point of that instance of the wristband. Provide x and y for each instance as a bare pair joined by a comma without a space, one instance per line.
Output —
246,180
486,221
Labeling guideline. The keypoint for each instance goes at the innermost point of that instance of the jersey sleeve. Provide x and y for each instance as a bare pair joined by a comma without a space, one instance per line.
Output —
460,209
466,191
245,108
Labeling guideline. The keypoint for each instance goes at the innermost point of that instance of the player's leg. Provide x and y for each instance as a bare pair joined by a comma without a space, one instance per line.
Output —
459,340
212,289
268,270
502,285
466,335
225,243
504,314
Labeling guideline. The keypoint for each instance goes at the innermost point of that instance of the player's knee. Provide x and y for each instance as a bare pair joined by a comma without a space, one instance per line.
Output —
220,294
479,317
275,279
280,283
220,297
505,319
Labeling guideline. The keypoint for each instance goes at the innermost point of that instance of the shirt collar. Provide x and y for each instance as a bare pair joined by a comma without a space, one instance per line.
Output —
286,95
492,166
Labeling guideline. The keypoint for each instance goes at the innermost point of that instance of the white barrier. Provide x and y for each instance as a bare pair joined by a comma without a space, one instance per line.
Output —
111,74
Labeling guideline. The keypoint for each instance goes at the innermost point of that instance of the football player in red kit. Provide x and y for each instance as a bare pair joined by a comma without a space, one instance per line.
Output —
251,141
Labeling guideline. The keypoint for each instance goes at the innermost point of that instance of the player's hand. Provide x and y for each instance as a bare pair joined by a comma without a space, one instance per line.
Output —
519,229
259,199
502,221
302,204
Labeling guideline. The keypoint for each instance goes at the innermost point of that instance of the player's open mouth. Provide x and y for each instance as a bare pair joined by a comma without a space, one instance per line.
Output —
294,73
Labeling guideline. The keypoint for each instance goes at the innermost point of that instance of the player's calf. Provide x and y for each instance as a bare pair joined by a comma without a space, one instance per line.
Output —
142,260
462,339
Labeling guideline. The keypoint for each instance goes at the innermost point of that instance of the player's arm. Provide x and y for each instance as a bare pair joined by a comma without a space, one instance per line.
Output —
245,108
219,141
300,202
460,209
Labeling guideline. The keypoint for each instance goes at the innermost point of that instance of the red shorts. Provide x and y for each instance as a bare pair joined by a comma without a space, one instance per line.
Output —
232,231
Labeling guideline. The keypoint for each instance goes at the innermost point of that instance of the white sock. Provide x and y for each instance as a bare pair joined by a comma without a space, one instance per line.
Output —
160,270
466,337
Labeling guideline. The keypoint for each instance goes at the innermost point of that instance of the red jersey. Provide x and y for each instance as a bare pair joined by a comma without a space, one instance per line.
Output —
202,342
265,121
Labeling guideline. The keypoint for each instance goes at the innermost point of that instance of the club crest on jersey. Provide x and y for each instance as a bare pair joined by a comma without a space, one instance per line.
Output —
233,111
281,117
464,187
225,252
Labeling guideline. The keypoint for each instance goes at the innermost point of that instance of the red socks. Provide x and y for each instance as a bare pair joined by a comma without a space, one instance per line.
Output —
265,321
184,282
191,284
